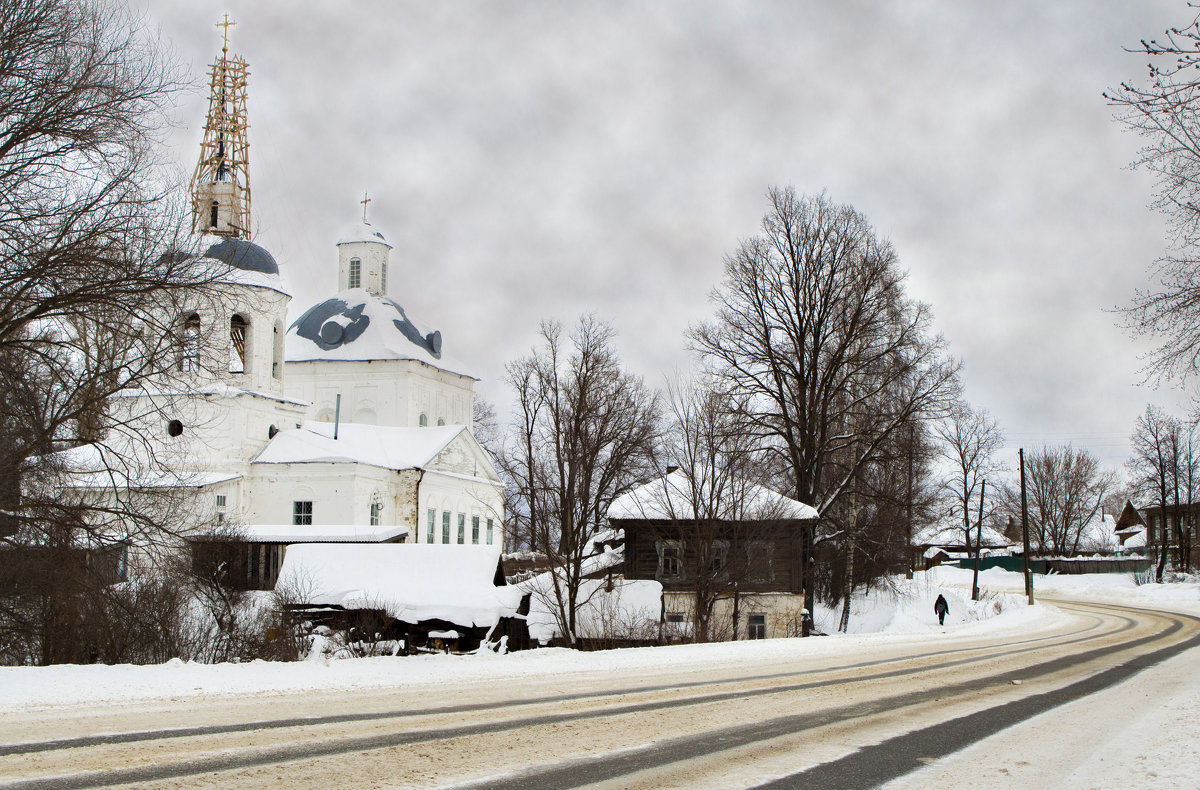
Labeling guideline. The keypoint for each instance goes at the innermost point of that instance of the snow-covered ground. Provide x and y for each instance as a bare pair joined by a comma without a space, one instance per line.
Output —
880,620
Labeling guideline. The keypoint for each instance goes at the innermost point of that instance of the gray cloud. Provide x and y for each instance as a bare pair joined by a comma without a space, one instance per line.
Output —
543,159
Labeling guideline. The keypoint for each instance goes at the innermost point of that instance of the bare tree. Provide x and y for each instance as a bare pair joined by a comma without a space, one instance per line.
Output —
91,284
715,505
1066,488
1163,112
1160,465
583,433
970,440
814,331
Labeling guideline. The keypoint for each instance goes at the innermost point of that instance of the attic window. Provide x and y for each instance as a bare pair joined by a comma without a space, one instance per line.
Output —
355,278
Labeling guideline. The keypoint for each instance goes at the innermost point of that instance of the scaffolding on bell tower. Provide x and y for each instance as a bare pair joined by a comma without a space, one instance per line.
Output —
220,186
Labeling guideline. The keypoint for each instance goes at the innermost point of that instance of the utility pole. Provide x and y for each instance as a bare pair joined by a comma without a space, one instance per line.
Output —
978,543
1025,531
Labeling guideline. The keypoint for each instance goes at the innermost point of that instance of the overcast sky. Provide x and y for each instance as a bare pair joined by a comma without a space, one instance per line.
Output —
531,160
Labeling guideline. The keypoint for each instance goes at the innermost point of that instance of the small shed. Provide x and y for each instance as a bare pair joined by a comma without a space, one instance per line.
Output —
450,593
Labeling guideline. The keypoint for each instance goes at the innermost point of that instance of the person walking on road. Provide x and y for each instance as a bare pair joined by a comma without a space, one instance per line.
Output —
942,609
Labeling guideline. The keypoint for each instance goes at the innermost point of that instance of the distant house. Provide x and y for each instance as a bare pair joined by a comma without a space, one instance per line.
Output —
946,541
746,544
1163,526
431,595
1130,529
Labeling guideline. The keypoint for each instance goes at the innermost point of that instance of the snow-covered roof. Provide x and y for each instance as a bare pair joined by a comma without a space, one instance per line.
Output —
949,532
375,445
671,498
359,326
215,390
362,231
249,264
411,582
100,467
319,533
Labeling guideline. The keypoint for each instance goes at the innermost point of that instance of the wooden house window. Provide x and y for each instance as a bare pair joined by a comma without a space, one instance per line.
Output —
759,556
670,555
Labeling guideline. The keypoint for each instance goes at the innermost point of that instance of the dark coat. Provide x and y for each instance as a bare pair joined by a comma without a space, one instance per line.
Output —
940,606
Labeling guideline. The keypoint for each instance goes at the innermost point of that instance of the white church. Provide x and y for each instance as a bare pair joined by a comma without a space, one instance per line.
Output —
344,422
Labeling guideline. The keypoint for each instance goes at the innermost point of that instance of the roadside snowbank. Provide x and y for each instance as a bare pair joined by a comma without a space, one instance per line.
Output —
897,619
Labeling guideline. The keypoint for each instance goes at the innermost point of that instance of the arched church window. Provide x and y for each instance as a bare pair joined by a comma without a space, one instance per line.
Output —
376,510
355,280
213,211
277,352
441,422
189,360
383,279
237,344
422,420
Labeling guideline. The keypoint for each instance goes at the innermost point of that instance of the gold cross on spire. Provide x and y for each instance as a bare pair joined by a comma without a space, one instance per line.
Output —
226,24
364,202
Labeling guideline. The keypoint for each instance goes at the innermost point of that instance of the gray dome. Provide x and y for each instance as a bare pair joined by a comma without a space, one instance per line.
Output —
242,254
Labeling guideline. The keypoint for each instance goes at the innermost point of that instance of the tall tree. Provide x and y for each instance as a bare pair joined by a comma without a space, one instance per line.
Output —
584,431
969,441
1163,112
89,289
1154,471
716,505
814,331
1066,489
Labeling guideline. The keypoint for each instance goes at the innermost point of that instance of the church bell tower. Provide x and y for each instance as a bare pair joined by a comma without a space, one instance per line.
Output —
221,184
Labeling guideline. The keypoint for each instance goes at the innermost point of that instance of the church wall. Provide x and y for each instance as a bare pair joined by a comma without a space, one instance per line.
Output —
341,493
446,493
388,392
262,370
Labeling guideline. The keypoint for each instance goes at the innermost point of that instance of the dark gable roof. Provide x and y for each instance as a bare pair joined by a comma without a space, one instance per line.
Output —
242,254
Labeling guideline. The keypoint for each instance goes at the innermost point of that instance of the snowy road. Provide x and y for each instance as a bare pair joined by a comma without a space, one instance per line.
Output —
821,719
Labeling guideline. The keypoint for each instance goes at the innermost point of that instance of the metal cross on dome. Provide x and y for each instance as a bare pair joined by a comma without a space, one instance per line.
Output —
226,24
364,202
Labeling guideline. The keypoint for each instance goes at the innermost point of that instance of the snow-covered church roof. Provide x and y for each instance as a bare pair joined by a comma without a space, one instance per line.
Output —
362,231
355,325
375,445
247,262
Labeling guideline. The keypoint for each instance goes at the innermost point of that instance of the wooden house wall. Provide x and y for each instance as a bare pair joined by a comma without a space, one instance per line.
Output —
641,555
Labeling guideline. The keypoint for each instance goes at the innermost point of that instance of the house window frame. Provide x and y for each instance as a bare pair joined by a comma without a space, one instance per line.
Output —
670,560
756,625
